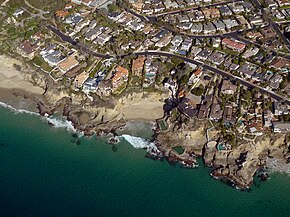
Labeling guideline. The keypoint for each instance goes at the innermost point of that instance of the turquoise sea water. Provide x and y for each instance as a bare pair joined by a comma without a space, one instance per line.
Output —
44,174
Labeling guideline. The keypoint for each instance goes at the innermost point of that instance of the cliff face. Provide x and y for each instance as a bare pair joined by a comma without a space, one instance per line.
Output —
237,165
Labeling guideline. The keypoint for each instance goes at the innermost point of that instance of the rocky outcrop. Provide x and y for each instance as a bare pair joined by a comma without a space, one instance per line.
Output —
238,165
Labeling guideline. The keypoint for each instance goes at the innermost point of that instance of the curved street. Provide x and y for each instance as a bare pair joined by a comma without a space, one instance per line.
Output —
223,73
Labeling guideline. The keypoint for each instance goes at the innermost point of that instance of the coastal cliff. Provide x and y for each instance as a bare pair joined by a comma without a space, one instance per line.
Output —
238,165
183,140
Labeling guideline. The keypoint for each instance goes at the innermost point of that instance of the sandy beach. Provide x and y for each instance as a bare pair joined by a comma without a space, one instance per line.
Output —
139,107
14,85
11,78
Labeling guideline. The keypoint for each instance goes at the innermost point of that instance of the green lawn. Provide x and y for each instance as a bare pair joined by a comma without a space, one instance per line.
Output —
39,62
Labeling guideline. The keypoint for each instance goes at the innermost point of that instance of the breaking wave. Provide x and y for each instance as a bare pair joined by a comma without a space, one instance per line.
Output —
56,122
4,105
138,142
61,123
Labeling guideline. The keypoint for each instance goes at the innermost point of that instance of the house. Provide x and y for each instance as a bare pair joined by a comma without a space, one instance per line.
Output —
105,88
209,28
67,64
256,21
243,21
51,55
228,87
268,118
225,10
216,42
211,12
195,50
92,34
216,112
281,127
204,107
26,50
164,41
137,65
135,25
230,65
204,54
280,63
18,12
228,117
61,14
217,57
186,107
185,26
120,76
102,39
236,7
230,23
90,85
73,19
233,44
247,69
183,18
283,2
177,40
186,44
197,28
115,16
250,52
81,25
219,25
80,79
275,81
195,76
280,108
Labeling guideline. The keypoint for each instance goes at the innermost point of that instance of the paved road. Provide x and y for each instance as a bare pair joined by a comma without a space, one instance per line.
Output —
217,71
87,50
79,46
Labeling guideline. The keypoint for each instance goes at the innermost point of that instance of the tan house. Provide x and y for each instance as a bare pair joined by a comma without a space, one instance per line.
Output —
137,65
67,64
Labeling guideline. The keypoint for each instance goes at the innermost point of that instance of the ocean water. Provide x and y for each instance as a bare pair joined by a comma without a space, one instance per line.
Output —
43,173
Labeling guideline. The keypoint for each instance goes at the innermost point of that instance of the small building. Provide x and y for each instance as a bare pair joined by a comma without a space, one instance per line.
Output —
18,12
80,79
137,65
90,85
228,87
280,108
67,64
281,127
216,112
26,50
233,44
120,76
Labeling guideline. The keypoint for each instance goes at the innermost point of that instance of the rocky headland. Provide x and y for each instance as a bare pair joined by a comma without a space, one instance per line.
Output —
180,140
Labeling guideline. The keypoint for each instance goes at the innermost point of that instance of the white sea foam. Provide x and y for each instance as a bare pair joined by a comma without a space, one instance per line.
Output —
56,122
138,142
4,105
61,123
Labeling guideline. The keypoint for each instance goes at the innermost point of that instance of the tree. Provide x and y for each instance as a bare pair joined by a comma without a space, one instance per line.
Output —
198,91
112,8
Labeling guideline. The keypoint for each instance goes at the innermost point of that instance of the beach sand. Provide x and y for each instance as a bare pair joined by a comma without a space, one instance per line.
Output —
140,107
11,78
14,85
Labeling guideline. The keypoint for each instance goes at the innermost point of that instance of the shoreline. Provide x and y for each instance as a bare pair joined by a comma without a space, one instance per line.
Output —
103,117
